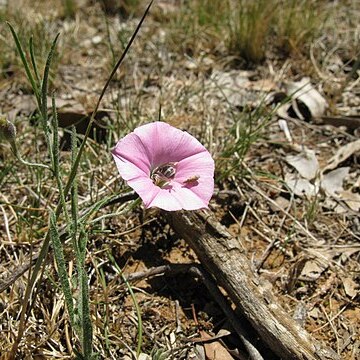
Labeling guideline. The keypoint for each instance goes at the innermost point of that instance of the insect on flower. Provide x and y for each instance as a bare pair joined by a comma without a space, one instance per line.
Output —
192,179
166,166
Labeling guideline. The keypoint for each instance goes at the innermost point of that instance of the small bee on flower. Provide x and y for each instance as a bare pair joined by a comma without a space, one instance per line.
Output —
192,179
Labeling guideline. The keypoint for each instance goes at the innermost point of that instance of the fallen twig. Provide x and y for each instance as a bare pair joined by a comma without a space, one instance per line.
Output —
223,256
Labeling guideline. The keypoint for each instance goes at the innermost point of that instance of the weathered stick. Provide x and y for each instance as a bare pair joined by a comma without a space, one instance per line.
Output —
223,256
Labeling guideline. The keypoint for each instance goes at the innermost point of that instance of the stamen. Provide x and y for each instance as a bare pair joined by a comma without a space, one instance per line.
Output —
162,175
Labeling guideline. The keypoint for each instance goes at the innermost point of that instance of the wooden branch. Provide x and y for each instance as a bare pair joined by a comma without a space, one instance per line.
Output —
225,259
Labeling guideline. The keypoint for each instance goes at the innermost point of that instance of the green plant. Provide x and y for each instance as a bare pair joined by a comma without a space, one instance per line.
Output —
298,24
69,8
247,128
76,225
248,28
35,29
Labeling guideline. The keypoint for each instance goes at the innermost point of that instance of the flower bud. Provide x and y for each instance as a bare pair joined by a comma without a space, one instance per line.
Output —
7,130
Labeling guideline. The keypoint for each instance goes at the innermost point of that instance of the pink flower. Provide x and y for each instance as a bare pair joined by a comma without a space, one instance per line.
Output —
167,167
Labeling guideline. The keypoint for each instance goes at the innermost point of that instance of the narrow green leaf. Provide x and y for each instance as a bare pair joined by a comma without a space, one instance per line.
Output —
62,270
74,197
33,62
45,247
45,79
84,306
55,151
25,64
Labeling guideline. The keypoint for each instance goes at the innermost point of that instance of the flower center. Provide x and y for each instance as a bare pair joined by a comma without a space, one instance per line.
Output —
163,174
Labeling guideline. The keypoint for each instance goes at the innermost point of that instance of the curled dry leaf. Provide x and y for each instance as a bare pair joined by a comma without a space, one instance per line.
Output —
304,93
313,269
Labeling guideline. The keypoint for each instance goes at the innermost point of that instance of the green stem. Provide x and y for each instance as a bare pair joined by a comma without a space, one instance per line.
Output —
45,247
18,156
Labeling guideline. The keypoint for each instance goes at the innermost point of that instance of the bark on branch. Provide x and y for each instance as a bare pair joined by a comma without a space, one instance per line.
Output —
224,257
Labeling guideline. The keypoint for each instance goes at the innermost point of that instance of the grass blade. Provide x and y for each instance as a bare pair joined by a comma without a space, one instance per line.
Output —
45,79
25,64
55,151
33,62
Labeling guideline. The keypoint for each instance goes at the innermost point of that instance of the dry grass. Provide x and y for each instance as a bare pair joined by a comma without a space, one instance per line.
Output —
171,67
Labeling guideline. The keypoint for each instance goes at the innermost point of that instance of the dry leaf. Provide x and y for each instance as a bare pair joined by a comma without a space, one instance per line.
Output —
314,313
214,350
229,85
281,203
206,337
234,86
305,93
312,270
143,356
342,154
305,163
350,287
351,199
300,186
332,182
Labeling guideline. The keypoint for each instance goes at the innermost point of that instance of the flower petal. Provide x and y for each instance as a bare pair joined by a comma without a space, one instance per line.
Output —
145,188
165,143
177,197
131,149
165,200
202,166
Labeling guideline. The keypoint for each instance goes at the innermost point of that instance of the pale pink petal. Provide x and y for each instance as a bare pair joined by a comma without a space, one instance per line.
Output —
128,170
200,164
202,188
177,197
165,200
189,199
131,149
165,143
145,189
